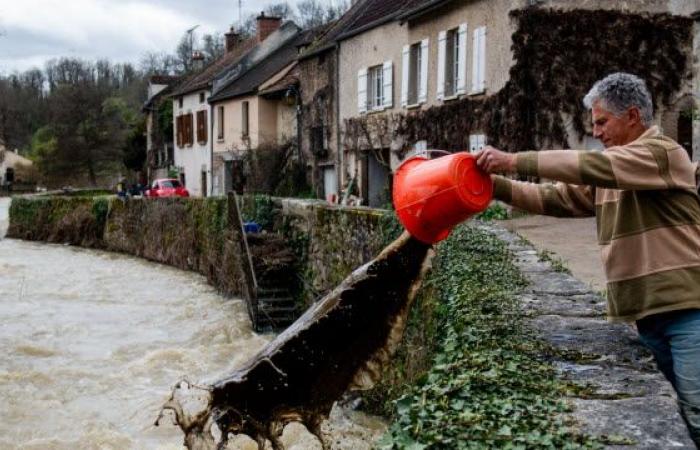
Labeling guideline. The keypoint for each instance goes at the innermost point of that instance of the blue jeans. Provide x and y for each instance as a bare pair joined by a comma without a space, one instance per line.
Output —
674,339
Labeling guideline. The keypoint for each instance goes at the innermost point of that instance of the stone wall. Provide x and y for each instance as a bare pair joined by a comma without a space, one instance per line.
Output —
194,234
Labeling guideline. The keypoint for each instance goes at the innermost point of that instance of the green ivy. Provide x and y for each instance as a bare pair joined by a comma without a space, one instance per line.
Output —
489,385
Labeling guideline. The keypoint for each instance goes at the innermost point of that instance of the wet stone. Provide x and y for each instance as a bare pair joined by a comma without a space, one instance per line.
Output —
579,305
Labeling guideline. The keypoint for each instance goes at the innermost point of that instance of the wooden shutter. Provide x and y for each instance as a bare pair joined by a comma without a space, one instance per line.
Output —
461,81
362,90
388,79
178,131
205,126
482,59
478,59
424,55
405,71
442,57
190,129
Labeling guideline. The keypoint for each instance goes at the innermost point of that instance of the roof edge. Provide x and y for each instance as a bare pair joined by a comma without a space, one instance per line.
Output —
369,26
419,11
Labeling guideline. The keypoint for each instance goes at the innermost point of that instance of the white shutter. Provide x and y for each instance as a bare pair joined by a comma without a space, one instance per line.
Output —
362,91
405,70
423,88
482,59
461,81
388,78
482,141
475,61
442,54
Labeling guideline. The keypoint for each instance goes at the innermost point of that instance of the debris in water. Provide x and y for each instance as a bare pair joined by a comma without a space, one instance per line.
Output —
341,343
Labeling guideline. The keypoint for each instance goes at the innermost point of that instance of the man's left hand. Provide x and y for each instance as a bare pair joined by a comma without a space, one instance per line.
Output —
493,160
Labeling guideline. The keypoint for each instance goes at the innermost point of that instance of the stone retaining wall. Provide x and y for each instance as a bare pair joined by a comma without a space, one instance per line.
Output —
193,233
620,394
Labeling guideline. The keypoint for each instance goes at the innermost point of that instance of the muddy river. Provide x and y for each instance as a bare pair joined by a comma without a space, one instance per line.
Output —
93,341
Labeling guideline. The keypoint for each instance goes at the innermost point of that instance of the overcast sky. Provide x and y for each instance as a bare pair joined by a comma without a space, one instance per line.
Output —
34,31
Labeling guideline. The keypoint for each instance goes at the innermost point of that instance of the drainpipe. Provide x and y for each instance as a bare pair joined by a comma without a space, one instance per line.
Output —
211,149
339,182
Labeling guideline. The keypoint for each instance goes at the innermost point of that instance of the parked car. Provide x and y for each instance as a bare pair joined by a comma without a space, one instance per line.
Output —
167,187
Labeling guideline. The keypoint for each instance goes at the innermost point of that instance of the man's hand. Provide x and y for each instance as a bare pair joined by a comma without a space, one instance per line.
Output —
492,160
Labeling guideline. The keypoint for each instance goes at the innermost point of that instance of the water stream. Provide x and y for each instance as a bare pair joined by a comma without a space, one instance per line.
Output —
93,341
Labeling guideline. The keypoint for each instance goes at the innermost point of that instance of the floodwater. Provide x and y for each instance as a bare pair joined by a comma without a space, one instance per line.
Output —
92,343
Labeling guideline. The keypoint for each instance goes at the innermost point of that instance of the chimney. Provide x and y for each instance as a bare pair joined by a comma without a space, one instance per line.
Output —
232,39
267,25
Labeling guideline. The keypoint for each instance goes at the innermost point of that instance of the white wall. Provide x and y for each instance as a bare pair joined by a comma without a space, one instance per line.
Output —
197,157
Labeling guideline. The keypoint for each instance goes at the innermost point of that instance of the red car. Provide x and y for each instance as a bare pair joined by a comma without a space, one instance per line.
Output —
167,187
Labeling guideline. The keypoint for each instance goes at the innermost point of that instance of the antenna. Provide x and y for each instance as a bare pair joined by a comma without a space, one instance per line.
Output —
190,32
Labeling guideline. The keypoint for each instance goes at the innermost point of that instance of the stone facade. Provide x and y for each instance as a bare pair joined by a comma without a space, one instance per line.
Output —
385,43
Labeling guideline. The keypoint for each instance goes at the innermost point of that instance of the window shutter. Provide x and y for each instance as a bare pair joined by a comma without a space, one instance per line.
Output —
205,126
362,91
190,129
388,78
482,59
423,88
405,70
442,54
461,81
178,131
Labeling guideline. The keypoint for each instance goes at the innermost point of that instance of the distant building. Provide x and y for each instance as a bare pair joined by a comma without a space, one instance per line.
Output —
12,165
159,135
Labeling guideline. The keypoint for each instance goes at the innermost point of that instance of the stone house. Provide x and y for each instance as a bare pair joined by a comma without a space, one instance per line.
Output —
12,167
458,74
254,102
159,135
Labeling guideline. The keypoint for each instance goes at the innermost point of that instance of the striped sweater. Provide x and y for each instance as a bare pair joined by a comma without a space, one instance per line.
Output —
647,210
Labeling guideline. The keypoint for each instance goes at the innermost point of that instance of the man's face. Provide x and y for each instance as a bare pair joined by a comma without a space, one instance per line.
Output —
612,130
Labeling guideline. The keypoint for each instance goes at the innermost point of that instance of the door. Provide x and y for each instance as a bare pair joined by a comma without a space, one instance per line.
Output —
204,183
378,176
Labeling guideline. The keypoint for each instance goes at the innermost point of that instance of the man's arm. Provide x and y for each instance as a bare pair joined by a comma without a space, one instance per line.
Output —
560,199
636,166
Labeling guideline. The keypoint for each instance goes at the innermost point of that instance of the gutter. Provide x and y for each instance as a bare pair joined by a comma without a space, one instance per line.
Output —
421,10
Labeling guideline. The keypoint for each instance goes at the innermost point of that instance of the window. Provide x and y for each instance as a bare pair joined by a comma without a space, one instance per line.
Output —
202,97
202,127
477,142
184,130
375,87
414,89
179,102
319,144
245,120
220,123
452,73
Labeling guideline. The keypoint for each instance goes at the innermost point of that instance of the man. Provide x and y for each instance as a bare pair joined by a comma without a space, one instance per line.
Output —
642,190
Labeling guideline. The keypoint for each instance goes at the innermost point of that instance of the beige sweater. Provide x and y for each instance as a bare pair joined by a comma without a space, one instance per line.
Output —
647,210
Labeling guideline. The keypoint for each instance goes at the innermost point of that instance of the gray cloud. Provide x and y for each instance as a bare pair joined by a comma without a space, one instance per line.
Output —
34,31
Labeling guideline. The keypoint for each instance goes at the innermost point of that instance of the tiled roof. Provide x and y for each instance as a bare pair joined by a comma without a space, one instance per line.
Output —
363,15
262,71
163,79
290,79
203,78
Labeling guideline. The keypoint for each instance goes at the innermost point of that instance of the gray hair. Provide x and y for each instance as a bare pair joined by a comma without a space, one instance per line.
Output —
620,91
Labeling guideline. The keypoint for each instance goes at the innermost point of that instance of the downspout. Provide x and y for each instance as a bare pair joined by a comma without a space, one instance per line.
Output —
338,159
211,148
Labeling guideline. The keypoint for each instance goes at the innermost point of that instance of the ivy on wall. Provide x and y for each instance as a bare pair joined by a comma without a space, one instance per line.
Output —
558,56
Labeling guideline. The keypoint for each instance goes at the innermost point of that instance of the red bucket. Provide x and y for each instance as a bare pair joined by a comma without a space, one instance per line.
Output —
432,196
